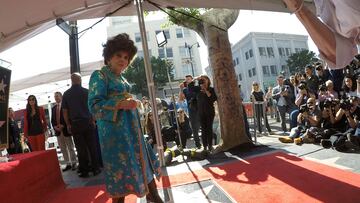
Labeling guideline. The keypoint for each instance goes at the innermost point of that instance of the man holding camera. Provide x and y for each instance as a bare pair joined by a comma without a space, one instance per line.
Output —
309,116
192,106
282,94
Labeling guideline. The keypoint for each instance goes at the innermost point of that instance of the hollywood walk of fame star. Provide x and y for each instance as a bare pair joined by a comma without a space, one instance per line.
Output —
2,86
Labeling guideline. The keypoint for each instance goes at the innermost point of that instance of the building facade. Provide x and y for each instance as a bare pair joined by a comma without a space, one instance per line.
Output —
261,57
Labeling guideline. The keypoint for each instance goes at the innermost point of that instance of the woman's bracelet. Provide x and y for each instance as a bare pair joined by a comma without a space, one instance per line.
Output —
300,7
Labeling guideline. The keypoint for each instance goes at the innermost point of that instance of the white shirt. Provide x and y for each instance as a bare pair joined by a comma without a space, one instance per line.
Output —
342,17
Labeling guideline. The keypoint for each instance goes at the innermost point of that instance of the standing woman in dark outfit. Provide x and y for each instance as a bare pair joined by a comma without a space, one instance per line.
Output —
257,95
206,97
35,124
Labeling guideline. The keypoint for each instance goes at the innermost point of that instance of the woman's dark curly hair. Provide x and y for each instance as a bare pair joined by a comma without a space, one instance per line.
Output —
120,42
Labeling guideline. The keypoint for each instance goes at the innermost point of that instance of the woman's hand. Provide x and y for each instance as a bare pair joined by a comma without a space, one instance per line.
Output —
127,104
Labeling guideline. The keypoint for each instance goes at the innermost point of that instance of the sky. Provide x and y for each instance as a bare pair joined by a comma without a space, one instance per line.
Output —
50,49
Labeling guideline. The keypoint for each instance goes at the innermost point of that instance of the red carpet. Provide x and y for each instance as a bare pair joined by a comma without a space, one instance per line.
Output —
33,177
276,177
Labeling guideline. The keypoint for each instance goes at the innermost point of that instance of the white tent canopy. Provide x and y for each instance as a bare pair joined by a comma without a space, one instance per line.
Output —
53,76
20,20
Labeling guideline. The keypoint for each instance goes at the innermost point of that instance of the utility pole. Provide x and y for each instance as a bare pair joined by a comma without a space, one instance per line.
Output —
72,31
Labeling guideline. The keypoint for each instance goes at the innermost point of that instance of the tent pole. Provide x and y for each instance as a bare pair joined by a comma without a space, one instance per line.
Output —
150,82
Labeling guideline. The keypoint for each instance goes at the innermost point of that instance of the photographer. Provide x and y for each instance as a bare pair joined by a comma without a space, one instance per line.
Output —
283,94
309,116
192,107
303,95
328,117
348,115
349,87
205,96
330,90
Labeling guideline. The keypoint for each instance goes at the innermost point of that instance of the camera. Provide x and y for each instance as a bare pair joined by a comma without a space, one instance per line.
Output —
345,104
302,86
303,108
201,81
319,67
323,88
185,84
328,103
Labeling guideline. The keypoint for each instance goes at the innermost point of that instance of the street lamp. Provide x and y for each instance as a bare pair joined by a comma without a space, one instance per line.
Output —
189,47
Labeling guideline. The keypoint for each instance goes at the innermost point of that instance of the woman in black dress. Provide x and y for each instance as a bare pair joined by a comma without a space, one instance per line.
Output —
257,95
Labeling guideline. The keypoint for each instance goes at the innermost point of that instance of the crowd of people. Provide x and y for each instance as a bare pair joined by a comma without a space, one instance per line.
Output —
319,112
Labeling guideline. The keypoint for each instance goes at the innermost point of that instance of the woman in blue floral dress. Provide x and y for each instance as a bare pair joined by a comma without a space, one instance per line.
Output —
129,163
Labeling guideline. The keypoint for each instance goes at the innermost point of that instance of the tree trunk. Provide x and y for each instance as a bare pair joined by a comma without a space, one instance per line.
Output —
230,107
213,30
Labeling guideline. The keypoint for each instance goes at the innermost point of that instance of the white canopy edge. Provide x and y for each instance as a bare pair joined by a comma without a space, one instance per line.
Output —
21,20
53,76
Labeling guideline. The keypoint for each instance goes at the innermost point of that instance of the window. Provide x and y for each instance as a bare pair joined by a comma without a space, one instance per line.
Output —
266,70
281,51
288,51
262,51
186,32
283,68
253,71
240,77
270,51
179,33
186,68
273,70
137,37
140,54
161,53
169,52
251,53
237,61
249,71
184,52
246,55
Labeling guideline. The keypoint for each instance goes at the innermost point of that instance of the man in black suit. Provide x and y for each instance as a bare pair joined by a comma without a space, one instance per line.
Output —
64,138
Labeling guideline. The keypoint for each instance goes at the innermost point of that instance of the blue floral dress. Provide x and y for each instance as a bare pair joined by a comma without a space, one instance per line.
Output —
129,163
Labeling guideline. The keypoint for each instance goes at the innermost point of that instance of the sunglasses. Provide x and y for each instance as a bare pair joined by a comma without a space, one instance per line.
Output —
31,99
